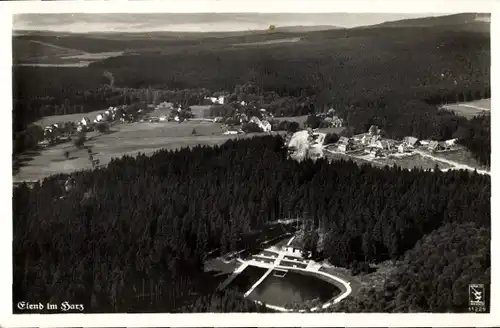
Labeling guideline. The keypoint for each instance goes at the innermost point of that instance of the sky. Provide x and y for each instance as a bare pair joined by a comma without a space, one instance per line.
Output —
193,22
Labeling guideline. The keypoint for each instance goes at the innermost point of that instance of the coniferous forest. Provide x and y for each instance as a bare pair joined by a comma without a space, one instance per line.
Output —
153,221
393,78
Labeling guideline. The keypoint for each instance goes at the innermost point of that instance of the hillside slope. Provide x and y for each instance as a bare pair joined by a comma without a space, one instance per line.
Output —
434,275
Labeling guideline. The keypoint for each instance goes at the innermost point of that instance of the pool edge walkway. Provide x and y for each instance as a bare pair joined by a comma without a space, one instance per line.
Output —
277,261
258,282
233,275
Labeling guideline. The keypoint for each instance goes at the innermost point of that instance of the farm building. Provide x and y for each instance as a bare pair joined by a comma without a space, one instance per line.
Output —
451,142
434,146
410,141
292,249
345,147
295,247
443,145
217,100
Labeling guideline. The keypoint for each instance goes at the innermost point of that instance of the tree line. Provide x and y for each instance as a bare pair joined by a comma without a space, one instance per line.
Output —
153,220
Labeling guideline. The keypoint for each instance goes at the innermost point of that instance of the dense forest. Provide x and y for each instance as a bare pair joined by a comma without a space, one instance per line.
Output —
394,78
153,221
433,276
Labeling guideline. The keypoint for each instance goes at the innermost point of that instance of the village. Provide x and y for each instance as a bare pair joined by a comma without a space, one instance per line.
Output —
375,146
302,141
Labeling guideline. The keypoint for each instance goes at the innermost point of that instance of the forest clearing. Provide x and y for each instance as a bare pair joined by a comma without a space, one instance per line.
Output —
124,139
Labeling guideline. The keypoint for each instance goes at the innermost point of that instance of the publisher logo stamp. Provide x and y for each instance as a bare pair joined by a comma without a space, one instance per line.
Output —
477,297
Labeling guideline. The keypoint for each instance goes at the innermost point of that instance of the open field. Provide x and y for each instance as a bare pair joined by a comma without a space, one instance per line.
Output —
462,156
470,109
38,53
27,50
129,139
412,162
339,156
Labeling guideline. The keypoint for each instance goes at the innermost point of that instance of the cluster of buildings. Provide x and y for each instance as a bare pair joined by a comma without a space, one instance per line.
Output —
373,144
63,131
216,100
331,119
264,124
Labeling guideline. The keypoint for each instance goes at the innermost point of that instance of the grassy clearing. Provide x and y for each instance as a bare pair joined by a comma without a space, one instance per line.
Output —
410,162
127,139
470,109
338,157
415,161
462,156
29,51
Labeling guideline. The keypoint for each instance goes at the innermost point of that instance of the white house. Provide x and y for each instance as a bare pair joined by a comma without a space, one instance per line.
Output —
292,249
217,100
231,132
451,142
410,141
265,126
85,121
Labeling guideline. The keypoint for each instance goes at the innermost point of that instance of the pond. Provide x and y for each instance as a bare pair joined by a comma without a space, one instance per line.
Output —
284,289
293,287
245,280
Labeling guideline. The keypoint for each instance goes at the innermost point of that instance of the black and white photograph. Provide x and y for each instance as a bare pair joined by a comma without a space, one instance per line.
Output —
251,162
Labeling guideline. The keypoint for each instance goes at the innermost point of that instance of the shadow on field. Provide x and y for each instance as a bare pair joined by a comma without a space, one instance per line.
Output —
58,160
21,160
